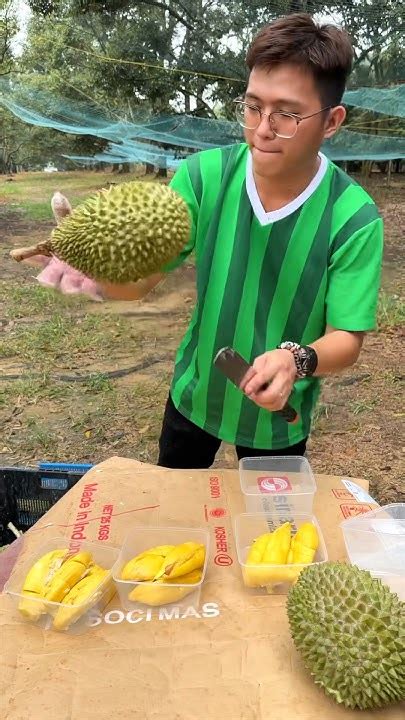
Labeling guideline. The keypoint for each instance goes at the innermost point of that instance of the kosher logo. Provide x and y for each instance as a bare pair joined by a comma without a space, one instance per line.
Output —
222,555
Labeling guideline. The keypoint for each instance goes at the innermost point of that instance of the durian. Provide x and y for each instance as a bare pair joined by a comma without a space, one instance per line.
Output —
122,234
350,631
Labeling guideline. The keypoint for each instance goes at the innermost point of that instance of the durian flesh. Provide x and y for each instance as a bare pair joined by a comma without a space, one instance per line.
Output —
350,630
125,233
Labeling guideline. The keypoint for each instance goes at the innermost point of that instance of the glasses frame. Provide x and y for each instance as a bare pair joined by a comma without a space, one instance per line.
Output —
298,118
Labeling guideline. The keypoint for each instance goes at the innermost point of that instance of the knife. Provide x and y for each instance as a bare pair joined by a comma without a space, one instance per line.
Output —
234,367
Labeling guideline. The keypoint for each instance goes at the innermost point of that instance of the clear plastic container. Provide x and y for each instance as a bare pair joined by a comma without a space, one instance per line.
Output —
277,484
275,579
375,541
153,594
44,614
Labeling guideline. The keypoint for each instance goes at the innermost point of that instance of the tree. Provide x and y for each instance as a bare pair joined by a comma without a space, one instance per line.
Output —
24,146
376,27
8,29
132,60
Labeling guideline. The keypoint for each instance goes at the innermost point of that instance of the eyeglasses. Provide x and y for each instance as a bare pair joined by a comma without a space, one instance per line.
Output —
283,124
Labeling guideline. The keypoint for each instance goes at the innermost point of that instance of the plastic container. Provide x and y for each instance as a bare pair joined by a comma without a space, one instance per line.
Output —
277,484
375,541
248,526
140,539
89,610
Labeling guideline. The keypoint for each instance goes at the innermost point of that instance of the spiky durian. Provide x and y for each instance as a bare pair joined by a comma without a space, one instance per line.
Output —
122,234
350,631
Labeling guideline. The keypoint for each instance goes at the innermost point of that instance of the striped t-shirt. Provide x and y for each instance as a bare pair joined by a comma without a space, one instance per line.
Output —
267,277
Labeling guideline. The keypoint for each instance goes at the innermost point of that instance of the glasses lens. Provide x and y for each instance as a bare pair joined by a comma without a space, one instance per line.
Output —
283,125
247,115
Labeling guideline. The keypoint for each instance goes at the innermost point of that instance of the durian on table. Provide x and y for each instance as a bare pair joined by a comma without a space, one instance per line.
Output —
122,234
349,629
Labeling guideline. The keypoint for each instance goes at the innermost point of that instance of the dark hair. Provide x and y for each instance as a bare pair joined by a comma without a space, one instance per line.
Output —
324,50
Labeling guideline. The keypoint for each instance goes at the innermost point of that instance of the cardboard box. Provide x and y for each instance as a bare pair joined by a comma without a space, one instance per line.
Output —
232,660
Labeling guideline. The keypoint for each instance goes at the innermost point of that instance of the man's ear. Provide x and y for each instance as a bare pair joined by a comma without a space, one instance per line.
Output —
335,120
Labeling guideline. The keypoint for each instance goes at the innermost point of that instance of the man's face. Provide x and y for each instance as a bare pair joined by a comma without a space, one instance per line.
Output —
285,88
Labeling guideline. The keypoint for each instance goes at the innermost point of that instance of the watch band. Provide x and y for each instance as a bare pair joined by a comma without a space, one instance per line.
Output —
305,358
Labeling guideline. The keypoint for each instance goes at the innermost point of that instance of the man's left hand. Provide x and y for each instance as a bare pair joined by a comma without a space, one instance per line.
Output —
275,369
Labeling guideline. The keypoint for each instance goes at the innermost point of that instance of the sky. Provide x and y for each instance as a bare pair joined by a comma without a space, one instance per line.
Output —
23,13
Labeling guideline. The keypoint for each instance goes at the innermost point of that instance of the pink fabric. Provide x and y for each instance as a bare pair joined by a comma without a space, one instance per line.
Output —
60,276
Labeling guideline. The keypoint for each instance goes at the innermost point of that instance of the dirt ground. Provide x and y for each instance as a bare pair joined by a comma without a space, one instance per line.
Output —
81,381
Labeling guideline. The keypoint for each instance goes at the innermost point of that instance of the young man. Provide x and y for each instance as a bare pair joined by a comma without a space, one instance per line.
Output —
288,256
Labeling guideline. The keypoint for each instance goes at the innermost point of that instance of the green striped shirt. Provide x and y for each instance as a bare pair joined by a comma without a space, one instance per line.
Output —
267,277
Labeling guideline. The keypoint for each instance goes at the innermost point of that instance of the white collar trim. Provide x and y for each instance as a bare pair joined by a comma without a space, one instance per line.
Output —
264,217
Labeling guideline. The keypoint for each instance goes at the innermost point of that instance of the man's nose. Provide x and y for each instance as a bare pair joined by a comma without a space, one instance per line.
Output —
264,128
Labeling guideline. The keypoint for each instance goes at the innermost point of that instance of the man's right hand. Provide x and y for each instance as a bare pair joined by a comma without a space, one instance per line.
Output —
132,290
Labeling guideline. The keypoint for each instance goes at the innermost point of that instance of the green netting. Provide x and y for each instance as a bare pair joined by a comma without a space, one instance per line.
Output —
348,145
345,146
164,141
389,101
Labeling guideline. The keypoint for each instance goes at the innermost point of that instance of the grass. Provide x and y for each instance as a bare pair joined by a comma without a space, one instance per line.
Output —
41,436
41,184
358,407
320,413
31,390
33,210
31,193
99,383
391,310
82,421
390,377
31,300
46,342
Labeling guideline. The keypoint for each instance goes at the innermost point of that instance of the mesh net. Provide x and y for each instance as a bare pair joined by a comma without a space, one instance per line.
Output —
165,141
389,101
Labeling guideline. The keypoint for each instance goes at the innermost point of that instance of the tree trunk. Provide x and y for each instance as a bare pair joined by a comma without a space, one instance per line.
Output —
124,168
366,168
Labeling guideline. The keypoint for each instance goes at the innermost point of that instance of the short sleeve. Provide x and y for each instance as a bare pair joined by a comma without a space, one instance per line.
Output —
182,184
354,277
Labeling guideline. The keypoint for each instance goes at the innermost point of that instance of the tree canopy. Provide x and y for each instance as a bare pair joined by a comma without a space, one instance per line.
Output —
140,58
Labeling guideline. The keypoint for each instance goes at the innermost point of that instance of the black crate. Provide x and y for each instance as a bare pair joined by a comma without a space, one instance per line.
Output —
26,494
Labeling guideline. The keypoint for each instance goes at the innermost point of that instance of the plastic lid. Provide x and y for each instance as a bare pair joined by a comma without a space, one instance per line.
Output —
276,475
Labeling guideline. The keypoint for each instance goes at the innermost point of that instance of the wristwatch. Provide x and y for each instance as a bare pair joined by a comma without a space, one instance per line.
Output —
305,357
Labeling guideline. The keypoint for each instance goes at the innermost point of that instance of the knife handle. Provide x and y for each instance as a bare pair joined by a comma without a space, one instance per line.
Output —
287,412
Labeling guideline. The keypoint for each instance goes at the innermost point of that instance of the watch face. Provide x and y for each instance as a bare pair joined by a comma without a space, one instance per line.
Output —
309,360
